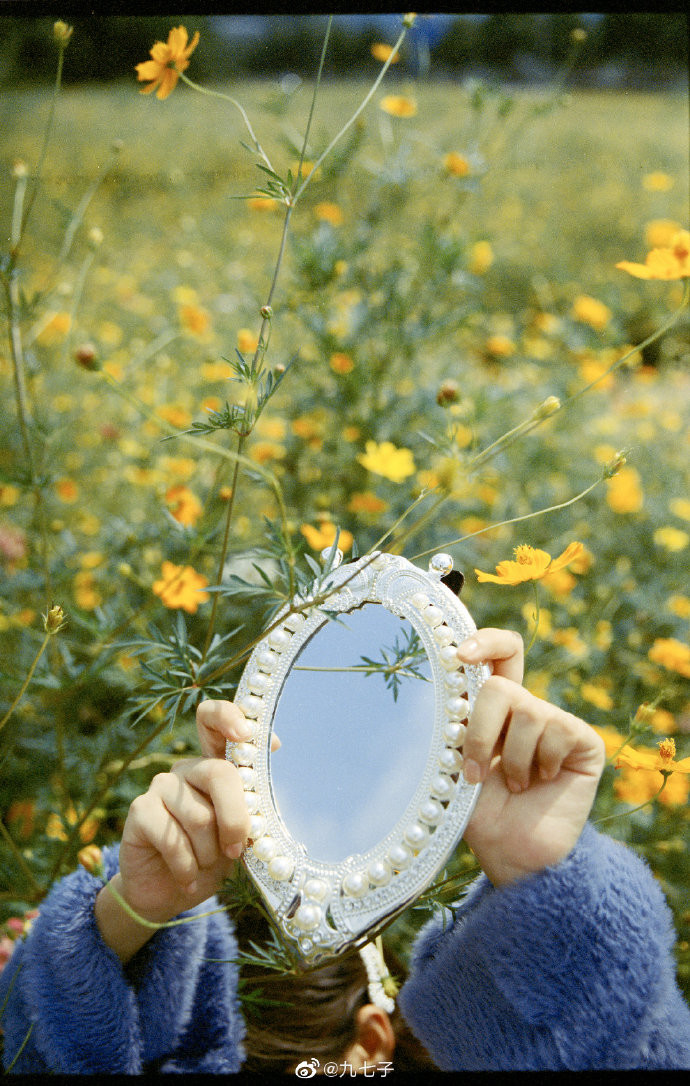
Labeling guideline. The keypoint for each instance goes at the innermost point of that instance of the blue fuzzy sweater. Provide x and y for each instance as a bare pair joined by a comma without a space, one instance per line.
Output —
570,968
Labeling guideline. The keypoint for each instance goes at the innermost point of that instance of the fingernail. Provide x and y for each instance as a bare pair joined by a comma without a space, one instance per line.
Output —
469,647
234,852
192,887
514,786
471,771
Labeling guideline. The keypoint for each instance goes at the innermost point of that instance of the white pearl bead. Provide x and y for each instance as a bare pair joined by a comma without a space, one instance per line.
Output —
457,708
416,835
433,616
243,753
419,600
280,868
250,705
457,681
247,776
265,848
307,917
455,732
442,787
431,812
293,622
355,884
443,635
259,683
267,660
315,889
449,658
400,857
279,639
379,873
450,760
257,825
252,801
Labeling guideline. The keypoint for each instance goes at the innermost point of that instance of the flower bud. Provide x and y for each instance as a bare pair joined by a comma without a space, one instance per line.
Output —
54,620
409,19
279,369
95,237
578,35
62,32
86,357
91,858
448,393
614,465
547,407
266,312
19,169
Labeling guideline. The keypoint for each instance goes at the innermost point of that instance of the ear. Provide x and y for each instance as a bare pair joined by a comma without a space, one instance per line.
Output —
375,1041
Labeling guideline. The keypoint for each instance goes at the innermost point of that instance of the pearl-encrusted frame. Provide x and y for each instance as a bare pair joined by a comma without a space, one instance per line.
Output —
323,908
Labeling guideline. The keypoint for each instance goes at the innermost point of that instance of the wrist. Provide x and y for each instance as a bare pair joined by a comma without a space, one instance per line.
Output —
120,930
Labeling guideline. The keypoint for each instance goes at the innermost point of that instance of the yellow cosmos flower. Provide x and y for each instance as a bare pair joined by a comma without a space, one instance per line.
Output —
660,233
679,506
86,594
596,695
365,501
168,59
181,586
262,203
663,759
639,786
67,490
184,506
55,329
672,654
456,164
397,105
381,51
530,564
657,181
672,539
194,320
323,536
671,262
247,341
481,257
591,311
624,491
387,460
500,346
329,212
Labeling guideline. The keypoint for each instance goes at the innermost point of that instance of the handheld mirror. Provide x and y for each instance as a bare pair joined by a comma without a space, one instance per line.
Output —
356,813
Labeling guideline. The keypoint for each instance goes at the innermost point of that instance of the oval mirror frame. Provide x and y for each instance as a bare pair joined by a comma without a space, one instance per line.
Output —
325,908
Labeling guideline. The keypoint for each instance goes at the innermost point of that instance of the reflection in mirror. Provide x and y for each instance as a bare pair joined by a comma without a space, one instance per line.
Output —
355,718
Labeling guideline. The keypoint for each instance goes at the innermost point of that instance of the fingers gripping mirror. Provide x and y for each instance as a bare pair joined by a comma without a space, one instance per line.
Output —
356,813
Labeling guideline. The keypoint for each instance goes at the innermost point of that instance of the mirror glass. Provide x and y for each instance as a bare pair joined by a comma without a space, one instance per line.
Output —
355,719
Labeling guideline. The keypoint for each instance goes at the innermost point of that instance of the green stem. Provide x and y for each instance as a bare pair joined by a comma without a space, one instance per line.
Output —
42,157
533,638
233,101
513,520
336,139
26,682
223,550
631,810
21,1048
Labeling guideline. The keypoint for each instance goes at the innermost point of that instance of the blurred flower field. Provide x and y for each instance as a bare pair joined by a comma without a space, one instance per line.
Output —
450,360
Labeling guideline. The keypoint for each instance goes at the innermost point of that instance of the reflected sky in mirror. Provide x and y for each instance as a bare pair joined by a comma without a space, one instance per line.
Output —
355,718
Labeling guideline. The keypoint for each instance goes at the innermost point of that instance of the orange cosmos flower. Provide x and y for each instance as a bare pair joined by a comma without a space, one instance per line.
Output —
663,759
180,586
672,654
323,536
168,60
456,164
382,52
398,105
184,506
341,362
530,565
670,262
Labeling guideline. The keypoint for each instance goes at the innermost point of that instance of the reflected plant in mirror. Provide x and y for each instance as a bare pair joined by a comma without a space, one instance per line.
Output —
355,814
